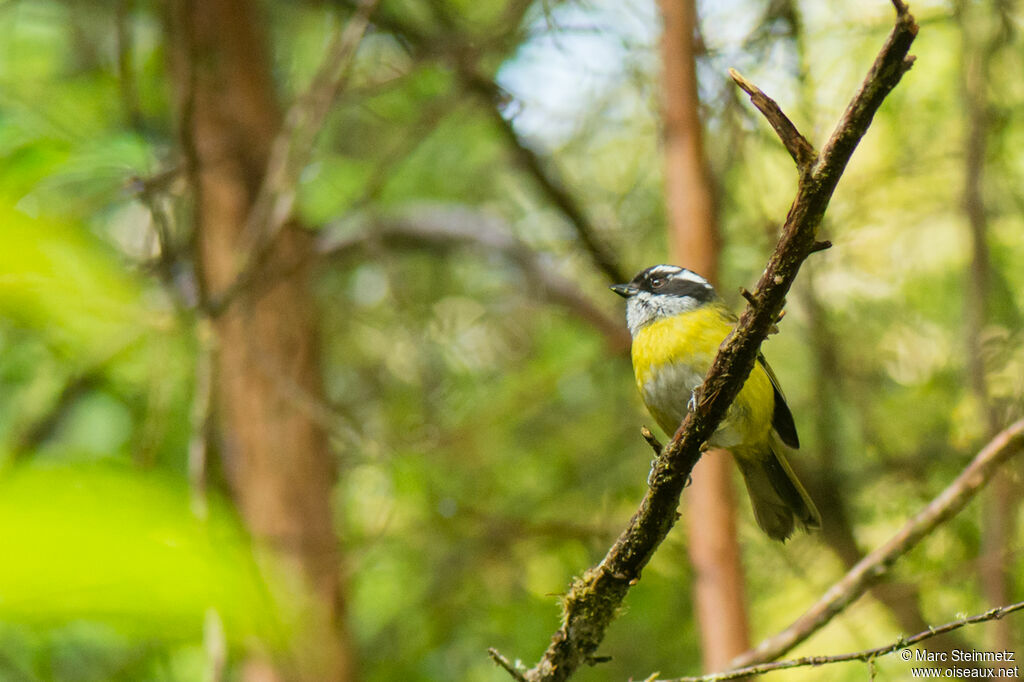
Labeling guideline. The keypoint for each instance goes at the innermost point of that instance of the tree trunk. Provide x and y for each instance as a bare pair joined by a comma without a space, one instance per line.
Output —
693,236
275,457
1000,502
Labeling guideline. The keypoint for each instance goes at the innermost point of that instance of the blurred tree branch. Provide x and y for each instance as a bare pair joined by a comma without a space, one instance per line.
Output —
946,505
41,429
455,227
547,180
867,655
37,431
489,92
593,600
903,599
459,51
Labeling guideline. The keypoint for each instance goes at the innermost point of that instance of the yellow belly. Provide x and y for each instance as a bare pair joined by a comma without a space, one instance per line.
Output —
671,357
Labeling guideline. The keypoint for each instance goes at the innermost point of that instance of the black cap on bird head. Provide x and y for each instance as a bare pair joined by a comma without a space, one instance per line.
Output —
668,280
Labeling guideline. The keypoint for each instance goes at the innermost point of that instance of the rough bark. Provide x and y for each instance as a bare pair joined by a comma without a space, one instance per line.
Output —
275,456
694,243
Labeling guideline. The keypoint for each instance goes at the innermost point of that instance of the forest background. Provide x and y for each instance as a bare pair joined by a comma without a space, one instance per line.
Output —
309,369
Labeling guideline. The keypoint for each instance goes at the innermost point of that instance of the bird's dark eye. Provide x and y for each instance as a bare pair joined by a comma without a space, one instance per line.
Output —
657,283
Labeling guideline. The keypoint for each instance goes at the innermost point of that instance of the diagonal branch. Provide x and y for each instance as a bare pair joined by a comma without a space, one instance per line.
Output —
593,600
870,568
463,56
867,656
549,183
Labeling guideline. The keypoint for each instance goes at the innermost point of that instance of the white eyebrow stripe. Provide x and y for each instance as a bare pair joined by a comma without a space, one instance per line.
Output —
687,276
665,270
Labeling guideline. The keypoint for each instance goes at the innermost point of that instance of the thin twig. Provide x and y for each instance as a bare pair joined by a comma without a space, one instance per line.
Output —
506,664
594,599
871,567
652,440
866,655
796,144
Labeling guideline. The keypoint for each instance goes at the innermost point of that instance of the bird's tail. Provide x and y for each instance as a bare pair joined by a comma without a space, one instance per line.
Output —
778,497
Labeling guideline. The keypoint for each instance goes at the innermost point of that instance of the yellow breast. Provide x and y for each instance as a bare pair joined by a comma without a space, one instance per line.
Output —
671,357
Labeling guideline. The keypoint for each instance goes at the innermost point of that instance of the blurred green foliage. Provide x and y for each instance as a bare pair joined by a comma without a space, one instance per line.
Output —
487,438
127,547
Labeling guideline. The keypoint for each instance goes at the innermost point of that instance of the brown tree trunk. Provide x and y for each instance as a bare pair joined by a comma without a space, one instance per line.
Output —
1000,502
276,458
693,236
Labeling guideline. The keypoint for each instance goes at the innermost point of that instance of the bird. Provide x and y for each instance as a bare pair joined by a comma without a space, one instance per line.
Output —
677,322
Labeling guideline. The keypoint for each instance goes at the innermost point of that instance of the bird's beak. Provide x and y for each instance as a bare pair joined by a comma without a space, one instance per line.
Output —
624,290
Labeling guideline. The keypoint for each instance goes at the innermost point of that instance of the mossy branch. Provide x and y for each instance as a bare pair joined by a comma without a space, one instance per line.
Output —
594,599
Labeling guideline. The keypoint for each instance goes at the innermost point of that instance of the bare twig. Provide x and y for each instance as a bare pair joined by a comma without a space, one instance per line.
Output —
594,599
871,567
866,655
506,664
652,440
796,144
291,151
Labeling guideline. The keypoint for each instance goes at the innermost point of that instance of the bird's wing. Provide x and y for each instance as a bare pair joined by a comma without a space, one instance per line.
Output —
782,418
